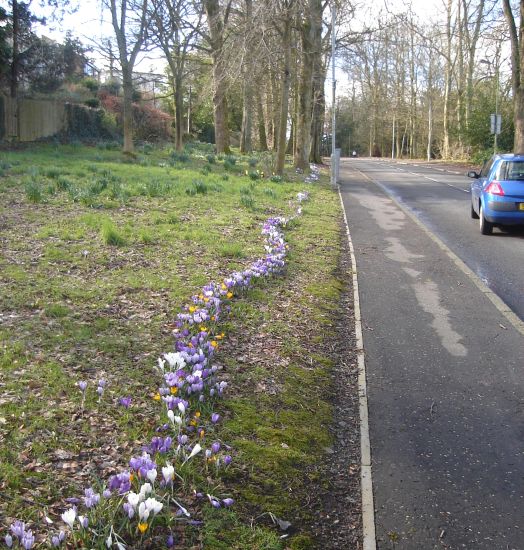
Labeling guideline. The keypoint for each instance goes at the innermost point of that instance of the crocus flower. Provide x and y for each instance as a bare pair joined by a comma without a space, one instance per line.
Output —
82,385
27,540
168,473
69,517
83,521
18,528
215,418
125,402
228,502
8,540
227,460
215,447
91,498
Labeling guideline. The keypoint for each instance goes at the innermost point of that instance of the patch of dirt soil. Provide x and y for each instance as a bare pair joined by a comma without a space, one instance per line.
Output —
339,510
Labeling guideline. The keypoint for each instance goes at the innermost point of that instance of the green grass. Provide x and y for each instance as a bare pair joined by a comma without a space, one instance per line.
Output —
93,275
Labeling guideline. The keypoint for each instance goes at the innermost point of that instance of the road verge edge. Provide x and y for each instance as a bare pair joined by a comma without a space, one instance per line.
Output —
368,509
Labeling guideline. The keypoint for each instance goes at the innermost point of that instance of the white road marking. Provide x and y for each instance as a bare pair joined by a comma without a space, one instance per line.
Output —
429,298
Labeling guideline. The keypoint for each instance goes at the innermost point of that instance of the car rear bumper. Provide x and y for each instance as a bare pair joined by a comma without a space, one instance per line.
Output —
504,217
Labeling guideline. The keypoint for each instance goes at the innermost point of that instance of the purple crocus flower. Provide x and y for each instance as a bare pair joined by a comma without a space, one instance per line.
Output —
82,385
170,541
91,498
227,460
215,447
125,402
120,482
215,417
228,502
28,540
18,528
8,540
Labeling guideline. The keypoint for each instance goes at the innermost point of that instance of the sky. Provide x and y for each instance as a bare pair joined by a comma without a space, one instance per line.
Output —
90,24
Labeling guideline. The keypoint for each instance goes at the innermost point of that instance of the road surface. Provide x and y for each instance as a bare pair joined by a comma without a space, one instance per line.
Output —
445,366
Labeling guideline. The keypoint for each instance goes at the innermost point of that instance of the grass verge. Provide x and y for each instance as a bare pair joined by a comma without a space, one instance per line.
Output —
99,256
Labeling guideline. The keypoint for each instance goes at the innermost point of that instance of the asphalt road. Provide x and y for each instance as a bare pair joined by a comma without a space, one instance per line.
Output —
441,201
445,368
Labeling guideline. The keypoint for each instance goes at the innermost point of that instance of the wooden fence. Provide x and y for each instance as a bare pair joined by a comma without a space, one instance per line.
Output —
30,119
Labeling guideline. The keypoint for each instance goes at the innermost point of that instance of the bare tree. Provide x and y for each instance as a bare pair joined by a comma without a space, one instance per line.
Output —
217,19
175,25
311,35
130,21
517,71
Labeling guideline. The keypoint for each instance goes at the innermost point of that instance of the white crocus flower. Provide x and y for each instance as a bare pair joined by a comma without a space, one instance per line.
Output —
161,364
133,499
143,511
181,407
171,415
178,420
153,505
196,449
144,491
168,473
151,475
69,517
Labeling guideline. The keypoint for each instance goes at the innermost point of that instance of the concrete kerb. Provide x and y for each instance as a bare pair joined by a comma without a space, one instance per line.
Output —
368,509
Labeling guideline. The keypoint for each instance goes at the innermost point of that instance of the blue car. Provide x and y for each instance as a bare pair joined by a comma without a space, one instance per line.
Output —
497,194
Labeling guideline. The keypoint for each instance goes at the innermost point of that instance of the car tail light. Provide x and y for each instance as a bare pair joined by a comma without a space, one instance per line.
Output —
495,188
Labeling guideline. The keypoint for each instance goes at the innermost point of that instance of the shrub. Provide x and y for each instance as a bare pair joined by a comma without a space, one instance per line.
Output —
63,183
33,192
52,173
179,156
252,162
198,187
211,159
276,179
110,235
247,201
92,102
228,165
254,175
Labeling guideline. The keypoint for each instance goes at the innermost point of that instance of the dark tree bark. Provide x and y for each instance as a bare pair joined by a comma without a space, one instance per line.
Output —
517,70
216,23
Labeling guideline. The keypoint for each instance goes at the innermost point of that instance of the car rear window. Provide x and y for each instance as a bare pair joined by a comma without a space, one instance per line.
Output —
511,170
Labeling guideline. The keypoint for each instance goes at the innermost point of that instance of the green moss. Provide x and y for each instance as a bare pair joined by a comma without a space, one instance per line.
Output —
225,531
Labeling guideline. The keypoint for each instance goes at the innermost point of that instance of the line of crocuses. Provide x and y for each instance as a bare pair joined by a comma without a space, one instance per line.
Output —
143,494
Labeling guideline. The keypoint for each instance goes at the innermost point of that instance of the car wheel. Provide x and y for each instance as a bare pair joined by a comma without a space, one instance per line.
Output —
486,228
474,215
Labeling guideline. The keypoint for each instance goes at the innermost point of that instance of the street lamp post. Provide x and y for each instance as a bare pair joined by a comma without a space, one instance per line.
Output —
496,119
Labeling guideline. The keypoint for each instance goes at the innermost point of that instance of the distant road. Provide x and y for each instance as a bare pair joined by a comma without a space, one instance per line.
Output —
440,200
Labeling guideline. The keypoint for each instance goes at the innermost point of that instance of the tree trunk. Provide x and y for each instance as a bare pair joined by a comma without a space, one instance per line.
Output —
517,70
127,84
220,109
262,138
284,99
247,103
447,84
319,110
15,64
179,114
311,34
